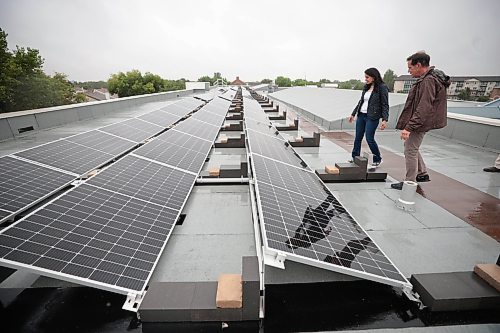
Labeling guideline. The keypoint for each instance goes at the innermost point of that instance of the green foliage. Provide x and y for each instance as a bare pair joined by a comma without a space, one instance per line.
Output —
282,81
24,85
212,80
464,94
89,85
324,81
299,82
352,84
389,78
483,99
134,83
266,81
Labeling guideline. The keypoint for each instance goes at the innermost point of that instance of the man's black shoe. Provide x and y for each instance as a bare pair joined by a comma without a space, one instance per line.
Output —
491,169
397,186
423,178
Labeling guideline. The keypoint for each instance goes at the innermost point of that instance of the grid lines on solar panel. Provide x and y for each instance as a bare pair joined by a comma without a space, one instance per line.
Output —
177,109
23,183
92,234
67,156
208,117
288,177
102,142
264,127
146,180
134,129
177,149
199,129
320,230
161,118
272,148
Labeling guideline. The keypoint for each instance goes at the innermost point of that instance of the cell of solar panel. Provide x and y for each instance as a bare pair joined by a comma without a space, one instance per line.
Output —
161,118
146,180
177,149
177,109
273,148
102,142
92,236
133,129
67,156
199,129
23,184
320,230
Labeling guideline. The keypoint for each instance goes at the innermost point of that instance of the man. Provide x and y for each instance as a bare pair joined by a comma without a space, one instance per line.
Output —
425,109
495,168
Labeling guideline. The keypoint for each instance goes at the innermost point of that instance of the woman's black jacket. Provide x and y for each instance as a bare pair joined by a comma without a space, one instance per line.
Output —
378,104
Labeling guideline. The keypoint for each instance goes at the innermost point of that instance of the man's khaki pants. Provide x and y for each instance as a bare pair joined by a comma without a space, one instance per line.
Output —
414,163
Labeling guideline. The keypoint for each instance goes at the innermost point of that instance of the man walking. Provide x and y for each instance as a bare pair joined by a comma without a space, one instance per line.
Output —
425,109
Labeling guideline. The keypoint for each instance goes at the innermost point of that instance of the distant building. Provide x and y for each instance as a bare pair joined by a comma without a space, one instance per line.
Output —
478,85
238,82
329,85
98,95
495,93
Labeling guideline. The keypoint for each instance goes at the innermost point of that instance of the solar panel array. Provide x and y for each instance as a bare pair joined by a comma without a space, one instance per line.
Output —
300,217
43,170
110,231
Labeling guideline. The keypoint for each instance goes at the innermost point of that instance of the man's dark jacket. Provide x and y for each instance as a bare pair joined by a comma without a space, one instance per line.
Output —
378,104
425,107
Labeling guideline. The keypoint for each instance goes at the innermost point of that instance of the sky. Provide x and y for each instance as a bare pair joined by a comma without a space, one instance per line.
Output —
313,39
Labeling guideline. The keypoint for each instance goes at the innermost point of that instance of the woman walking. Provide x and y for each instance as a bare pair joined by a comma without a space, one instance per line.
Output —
373,105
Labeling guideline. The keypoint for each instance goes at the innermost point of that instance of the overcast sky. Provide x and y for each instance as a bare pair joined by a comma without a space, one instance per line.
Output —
254,39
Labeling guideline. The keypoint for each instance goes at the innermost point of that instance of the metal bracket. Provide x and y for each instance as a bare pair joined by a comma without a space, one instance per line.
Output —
275,259
133,302
413,296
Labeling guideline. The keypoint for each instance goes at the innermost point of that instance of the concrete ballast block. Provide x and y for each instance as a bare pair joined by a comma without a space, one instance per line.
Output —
214,172
229,292
331,170
489,273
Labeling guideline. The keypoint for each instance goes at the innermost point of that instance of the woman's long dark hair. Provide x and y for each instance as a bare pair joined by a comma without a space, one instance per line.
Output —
374,73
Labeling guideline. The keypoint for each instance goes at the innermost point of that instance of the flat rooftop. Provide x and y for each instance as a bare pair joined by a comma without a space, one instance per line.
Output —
455,225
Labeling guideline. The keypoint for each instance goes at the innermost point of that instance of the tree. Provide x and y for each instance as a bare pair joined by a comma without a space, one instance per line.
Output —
352,84
282,81
324,81
464,94
266,81
389,78
299,82
483,99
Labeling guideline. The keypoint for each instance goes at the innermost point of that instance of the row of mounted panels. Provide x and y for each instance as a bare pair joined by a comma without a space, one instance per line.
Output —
110,231
300,216
33,174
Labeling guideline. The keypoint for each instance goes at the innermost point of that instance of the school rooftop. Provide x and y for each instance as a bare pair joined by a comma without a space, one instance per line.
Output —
455,225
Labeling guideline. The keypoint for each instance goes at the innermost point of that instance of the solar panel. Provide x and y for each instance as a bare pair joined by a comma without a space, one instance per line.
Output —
208,117
67,156
199,129
273,148
91,236
146,180
161,118
321,230
264,127
301,218
102,142
177,149
22,184
133,129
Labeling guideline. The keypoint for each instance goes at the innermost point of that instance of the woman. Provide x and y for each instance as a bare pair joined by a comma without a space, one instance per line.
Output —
373,105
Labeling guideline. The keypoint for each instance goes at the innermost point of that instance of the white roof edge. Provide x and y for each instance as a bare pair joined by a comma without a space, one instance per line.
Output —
474,119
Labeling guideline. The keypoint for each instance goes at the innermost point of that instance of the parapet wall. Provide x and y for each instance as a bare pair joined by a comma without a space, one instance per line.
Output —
475,131
13,124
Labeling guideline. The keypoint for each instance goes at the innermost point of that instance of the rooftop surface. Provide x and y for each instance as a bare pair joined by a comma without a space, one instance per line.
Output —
455,225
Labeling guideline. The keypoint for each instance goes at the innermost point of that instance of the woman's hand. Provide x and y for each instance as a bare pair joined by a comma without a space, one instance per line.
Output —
351,119
383,125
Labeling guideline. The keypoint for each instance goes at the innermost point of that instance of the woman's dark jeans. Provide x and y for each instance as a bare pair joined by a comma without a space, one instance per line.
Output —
366,125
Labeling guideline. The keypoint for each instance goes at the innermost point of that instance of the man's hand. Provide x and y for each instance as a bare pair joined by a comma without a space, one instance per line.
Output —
405,135
351,119
383,125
